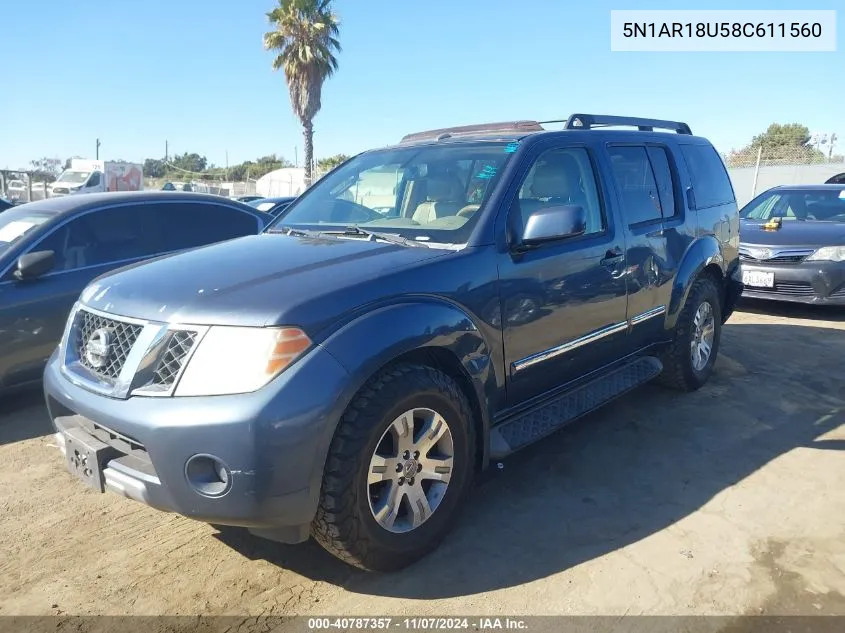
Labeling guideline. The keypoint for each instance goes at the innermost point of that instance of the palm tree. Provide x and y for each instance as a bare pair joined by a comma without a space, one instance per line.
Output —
305,36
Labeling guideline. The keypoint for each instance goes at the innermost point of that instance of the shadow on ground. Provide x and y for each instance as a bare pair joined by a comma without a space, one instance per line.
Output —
621,474
23,416
793,310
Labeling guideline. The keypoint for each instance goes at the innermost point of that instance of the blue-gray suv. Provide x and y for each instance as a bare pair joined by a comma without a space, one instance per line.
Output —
418,312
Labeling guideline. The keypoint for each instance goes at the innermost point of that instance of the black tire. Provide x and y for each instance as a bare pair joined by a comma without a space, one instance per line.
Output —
678,369
344,524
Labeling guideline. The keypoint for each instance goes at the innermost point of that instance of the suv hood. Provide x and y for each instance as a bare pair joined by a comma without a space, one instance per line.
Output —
809,233
259,280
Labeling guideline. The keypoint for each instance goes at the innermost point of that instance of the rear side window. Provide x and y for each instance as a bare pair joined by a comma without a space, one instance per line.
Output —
635,179
663,174
709,177
187,225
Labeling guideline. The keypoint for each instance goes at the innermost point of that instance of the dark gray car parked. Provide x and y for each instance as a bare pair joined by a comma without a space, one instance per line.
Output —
793,244
51,249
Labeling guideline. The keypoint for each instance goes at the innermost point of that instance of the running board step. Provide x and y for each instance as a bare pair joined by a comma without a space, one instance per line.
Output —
551,416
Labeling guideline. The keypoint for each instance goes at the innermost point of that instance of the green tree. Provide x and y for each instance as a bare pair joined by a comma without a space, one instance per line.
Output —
327,164
154,168
190,162
780,143
779,135
305,36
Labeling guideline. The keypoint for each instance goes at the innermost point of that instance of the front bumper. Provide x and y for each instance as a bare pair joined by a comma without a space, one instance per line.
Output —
274,442
807,282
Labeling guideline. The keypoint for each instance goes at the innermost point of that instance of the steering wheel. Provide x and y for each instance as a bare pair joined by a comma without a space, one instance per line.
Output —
356,209
468,210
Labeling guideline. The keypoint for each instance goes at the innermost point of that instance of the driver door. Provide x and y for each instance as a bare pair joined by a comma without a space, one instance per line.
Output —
564,302
34,311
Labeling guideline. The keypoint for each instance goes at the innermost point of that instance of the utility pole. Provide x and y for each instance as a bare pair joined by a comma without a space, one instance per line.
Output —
833,139
295,156
165,151
97,152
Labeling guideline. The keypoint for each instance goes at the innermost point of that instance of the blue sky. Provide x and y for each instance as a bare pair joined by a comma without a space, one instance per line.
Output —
193,72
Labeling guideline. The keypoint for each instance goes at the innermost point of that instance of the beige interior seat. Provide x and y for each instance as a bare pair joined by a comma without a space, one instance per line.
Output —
444,196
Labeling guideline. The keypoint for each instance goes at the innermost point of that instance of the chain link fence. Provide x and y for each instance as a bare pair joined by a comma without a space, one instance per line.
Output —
759,168
284,182
752,171
21,186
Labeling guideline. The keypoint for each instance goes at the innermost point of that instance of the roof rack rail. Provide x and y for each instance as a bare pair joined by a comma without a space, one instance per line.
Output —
588,121
449,132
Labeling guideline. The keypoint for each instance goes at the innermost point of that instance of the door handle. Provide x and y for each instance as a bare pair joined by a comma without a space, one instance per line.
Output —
613,257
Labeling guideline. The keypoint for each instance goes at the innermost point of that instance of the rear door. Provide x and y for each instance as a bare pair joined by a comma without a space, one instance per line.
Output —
646,180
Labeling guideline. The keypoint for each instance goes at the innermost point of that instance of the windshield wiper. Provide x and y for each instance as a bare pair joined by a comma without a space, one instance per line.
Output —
386,237
296,232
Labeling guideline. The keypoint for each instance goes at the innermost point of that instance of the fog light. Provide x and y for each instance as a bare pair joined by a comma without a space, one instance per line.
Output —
208,475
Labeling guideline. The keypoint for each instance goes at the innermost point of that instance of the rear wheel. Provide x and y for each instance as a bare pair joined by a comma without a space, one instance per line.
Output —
398,470
688,363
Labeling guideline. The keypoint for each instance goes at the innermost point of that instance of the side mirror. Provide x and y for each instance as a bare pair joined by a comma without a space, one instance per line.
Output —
554,223
33,265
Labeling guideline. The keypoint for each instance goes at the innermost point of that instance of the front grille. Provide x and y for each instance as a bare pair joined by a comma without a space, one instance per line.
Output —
793,288
120,337
839,293
173,357
780,259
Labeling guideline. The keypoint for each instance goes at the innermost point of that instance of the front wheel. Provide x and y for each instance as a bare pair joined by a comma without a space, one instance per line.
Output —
688,363
398,469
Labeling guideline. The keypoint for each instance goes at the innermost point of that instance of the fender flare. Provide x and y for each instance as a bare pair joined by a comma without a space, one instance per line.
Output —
400,328
701,253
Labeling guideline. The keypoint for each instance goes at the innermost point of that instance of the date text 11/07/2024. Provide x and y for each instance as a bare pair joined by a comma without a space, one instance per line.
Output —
417,624
721,29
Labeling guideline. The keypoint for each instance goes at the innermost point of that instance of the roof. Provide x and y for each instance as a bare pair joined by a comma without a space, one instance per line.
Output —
517,130
73,203
812,187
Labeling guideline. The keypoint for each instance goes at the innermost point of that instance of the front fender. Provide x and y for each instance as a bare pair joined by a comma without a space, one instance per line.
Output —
701,253
373,340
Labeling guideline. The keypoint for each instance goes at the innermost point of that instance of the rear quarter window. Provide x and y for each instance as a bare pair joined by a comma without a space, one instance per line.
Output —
710,180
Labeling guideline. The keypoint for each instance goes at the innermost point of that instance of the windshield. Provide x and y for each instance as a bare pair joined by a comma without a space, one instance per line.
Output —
74,177
798,204
18,222
262,205
430,193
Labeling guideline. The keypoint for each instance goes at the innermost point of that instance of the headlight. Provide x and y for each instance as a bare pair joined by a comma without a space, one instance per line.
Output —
240,359
828,254
76,188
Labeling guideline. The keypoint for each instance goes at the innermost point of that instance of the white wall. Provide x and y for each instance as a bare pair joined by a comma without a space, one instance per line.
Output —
771,176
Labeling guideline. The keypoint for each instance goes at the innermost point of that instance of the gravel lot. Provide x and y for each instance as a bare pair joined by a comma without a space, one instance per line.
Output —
727,501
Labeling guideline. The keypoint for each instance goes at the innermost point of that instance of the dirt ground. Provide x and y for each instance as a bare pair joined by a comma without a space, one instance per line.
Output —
727,501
